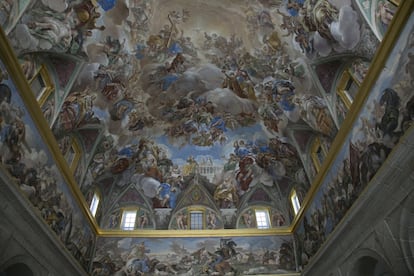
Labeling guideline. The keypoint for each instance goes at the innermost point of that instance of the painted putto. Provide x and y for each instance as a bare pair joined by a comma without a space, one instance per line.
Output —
158,101
187,115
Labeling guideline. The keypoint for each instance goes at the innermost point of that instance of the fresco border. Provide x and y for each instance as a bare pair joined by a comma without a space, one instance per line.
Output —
377,65
12,65
10,60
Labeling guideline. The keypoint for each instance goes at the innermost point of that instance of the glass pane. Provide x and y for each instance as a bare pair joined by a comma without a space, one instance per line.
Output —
295,203
196,220
351,90
38,85
262,219
129,220
94,204
320,155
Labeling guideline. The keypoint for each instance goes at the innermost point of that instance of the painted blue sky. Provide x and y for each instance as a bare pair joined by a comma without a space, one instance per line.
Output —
162,245
217,152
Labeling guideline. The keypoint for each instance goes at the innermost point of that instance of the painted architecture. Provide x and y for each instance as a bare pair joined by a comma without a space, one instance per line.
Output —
267,137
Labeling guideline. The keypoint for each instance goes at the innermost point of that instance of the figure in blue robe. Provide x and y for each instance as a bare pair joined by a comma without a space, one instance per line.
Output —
106,5
175,48
168,80
218,123
283,92
293,8
139,51
127,152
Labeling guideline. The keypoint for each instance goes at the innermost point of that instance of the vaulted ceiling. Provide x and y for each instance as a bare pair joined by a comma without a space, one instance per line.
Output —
175,105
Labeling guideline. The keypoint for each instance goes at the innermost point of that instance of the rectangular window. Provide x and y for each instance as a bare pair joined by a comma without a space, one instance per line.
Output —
318,153
351,90
41,85
128,220
38,86
196,220
73,154
94,204
262,219
295,202
347,88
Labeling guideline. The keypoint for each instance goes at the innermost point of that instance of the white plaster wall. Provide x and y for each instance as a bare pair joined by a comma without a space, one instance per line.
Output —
25,238
380,224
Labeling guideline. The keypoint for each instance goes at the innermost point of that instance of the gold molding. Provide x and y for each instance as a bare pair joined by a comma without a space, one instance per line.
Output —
395,2
75,146
142,233
375,69
10,60
364,193
43,73
341,87
315,147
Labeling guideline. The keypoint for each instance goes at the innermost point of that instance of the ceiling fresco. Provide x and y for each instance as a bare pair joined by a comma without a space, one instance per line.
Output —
181,103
